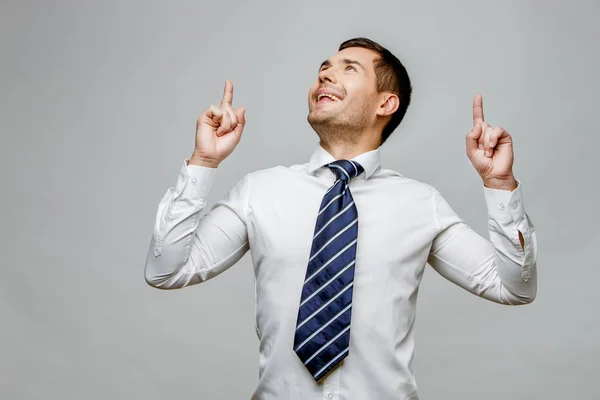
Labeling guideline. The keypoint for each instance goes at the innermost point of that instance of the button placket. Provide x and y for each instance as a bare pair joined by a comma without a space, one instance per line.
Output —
516,210
331,386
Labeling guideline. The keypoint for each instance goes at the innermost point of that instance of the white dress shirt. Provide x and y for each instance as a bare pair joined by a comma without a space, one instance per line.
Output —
403,226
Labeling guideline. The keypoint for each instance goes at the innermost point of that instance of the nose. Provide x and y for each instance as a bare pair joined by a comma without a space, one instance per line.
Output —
327,74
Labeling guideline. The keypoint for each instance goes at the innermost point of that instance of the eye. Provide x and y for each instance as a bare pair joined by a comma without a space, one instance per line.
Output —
351,67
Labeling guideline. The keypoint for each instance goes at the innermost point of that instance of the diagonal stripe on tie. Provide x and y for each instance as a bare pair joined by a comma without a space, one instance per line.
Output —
322,336
335,236
341,213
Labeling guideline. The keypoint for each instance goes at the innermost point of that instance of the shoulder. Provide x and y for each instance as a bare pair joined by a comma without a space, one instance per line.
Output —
396,179
268,175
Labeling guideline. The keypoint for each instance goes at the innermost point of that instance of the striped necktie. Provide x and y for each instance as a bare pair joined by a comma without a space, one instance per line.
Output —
322,335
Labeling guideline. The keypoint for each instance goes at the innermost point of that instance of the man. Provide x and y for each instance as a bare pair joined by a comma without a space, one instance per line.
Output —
339,245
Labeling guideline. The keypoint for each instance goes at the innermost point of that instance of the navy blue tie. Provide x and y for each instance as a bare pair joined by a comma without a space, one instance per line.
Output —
322,335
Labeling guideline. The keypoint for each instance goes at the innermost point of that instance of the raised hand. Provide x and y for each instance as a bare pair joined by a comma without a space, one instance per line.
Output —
490,151
218,131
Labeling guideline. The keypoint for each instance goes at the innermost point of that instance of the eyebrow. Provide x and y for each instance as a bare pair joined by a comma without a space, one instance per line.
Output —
346,61
325,63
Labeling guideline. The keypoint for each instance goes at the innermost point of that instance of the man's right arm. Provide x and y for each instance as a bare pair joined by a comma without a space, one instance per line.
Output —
187,249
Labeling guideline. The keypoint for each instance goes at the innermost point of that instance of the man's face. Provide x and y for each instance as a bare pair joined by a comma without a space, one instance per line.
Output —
345,92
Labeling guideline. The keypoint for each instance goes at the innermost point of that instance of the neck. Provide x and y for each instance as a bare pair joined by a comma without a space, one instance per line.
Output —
346,142
345,152
348,149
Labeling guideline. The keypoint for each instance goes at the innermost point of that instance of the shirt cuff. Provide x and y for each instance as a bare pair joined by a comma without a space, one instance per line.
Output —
504,205
195,181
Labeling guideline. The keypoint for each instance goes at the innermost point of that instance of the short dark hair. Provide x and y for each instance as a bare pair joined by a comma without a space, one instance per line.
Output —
391,76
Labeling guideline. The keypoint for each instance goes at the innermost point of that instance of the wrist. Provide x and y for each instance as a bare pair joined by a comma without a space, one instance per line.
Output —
197,159
506,183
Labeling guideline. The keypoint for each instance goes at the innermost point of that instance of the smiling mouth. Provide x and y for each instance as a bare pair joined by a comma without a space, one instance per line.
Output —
327,98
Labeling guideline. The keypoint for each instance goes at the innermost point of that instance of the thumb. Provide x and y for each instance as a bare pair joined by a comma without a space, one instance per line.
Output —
472,137
240,113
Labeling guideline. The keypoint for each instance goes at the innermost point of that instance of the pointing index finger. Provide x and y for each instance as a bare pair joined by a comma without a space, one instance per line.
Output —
227,93
477,109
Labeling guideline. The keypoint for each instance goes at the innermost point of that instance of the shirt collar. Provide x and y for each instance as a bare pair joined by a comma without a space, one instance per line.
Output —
370,160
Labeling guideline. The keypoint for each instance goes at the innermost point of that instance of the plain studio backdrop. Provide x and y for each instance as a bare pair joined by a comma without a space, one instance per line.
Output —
99,102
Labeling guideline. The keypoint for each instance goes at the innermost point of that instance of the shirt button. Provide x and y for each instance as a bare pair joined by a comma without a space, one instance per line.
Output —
194,180
330,395
501,206
515,204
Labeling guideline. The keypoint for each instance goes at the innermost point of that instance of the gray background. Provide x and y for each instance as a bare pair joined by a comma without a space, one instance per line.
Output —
98,108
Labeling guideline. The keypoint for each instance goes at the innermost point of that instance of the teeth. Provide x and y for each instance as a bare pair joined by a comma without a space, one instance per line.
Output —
332,97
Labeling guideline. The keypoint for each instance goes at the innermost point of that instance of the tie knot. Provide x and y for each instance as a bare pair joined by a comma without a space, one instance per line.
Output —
345,169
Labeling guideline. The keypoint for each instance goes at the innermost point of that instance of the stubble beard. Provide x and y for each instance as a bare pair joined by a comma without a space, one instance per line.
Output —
344,127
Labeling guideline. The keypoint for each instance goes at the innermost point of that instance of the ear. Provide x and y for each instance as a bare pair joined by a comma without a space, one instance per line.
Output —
389,105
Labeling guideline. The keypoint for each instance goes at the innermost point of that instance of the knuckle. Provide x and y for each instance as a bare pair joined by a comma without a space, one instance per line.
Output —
214,111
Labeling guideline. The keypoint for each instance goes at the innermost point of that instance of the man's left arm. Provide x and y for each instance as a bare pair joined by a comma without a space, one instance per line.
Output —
504,268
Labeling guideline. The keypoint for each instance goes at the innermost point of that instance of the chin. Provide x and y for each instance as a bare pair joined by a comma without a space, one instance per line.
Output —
318,114
318,118
325,124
